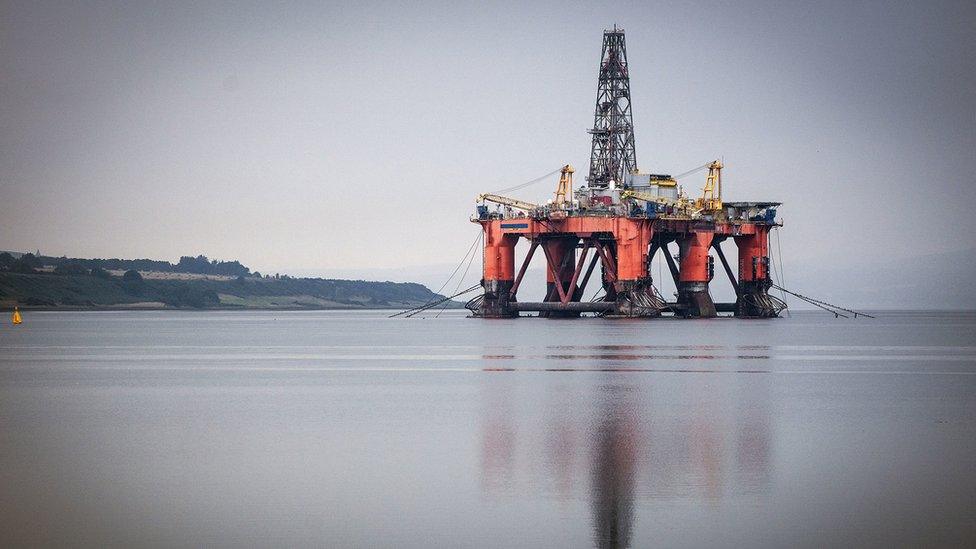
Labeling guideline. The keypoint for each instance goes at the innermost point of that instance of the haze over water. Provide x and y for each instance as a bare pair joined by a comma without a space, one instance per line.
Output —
351,429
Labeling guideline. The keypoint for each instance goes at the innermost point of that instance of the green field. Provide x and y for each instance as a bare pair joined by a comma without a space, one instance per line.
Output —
86,291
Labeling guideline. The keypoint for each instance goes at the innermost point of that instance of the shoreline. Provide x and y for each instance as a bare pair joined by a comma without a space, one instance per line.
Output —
116,308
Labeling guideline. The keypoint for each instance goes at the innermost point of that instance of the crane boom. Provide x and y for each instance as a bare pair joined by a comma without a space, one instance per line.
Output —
647,197
680,205
711,199
506,201
565,187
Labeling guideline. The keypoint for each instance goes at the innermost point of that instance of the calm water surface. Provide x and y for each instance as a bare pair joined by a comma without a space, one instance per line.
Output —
351,429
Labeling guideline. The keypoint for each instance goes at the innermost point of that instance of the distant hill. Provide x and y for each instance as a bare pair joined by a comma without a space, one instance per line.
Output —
43,282
199,264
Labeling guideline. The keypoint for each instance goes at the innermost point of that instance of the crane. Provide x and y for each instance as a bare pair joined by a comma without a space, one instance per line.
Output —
556,208
506,201
681,205
565,187
711,199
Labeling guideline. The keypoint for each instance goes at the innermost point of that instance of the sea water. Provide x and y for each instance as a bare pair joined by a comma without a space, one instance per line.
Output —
352,429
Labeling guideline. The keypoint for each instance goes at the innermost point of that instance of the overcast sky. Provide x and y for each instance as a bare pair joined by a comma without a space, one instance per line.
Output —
320,136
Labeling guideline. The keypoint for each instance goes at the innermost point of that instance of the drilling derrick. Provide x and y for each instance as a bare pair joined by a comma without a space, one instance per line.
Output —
606,234
612,155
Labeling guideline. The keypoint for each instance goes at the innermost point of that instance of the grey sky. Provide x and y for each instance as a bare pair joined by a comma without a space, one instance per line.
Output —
319,137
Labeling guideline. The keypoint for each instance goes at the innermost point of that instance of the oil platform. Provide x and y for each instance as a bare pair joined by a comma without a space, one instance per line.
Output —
619,220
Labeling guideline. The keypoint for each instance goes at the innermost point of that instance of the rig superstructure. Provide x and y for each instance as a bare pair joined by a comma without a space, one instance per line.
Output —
620,220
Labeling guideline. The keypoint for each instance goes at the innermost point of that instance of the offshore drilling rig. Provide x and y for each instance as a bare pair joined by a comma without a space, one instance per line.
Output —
620,219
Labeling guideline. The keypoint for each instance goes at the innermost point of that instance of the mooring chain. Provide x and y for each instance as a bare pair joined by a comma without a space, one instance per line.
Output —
429,304
823,304
419,309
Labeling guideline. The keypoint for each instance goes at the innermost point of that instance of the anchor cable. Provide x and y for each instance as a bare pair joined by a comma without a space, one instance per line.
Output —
427,306
782,274
446,282
823,304
460,280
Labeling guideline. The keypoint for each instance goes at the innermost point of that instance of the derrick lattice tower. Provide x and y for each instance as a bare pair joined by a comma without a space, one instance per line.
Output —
612,153
614,227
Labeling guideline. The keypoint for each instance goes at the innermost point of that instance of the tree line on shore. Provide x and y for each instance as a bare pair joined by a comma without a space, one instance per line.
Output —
88,283
29,263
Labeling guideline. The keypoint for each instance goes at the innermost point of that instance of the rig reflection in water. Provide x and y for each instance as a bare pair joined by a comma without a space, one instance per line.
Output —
628,439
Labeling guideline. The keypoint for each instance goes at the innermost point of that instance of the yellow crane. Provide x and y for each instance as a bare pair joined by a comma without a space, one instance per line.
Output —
563,190
506,201
681,205
711,200
565,187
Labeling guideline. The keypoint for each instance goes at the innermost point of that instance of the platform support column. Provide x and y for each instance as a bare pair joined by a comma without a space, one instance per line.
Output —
694,274
634,291
499,272
754,281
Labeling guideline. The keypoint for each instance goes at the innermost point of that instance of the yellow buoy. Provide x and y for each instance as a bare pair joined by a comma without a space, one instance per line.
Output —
16,319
